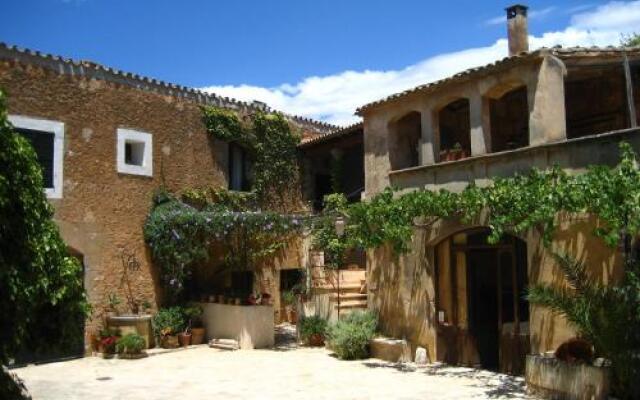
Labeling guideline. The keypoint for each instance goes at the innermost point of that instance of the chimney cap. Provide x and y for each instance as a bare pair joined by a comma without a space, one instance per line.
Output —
516,9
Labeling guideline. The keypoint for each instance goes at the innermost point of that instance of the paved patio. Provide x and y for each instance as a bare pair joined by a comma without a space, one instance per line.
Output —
283,373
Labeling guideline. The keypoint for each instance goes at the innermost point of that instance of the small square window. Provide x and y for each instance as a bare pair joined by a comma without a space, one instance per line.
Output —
135,152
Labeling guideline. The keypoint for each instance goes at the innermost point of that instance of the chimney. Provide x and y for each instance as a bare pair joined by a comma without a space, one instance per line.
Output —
518,31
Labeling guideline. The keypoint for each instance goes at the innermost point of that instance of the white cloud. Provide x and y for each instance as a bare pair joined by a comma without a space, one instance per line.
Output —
334,98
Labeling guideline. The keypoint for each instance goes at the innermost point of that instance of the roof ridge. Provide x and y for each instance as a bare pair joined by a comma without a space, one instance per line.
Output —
80,67
543,51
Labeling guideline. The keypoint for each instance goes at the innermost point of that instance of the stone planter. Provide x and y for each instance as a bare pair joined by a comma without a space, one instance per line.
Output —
132,356
140,324
169,342
551,378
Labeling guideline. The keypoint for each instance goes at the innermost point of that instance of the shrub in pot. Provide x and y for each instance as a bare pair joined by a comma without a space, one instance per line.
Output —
107,342
167,323
193,315
313,330
131,346
349,337
289,300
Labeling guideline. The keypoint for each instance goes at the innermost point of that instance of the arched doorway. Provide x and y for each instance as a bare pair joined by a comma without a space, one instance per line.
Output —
482,313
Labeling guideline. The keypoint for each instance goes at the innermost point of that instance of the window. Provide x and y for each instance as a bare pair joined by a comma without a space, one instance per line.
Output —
135,152
404,139
47,139
239,168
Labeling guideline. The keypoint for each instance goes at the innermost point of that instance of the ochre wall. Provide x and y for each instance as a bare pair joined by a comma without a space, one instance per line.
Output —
402,289
101,210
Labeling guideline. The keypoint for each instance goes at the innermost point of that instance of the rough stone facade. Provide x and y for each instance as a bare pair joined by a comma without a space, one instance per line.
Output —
102,211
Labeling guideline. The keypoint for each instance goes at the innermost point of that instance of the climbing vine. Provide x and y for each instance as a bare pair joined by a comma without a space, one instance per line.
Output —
512,205
181,235
271,143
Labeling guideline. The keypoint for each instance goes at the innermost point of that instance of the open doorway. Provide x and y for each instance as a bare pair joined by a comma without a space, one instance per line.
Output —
483,312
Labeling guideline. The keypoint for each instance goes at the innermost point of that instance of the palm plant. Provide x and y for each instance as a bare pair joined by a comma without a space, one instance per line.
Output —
608,316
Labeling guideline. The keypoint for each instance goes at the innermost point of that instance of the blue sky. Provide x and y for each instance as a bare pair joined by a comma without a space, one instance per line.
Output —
315,58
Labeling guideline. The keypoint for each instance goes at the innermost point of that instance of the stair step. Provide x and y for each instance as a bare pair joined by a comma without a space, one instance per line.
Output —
224,344
343,286
348,296
351,304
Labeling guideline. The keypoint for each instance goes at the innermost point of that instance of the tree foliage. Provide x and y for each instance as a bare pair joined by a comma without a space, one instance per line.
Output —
606,316
42,298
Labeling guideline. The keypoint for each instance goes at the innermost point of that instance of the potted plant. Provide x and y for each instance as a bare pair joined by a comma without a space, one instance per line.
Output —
107,343
113,301
456,152
146,307
167,323
313,330
193,315
289,300
131,346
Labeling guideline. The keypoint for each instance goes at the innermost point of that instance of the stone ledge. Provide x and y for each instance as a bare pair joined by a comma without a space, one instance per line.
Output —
392,350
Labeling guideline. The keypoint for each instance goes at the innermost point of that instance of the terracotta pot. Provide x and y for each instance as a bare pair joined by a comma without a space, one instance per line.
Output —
169,342
185,339
197,335
316,339
292,315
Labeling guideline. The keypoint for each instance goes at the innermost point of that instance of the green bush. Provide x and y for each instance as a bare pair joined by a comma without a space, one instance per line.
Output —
168,321
42,301
313,325
288,298
349,338
131,343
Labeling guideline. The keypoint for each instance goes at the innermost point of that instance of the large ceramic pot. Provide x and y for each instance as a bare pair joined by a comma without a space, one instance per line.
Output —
197,335
169,342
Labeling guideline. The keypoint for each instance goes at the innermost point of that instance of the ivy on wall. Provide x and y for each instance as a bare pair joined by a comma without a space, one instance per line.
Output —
271,142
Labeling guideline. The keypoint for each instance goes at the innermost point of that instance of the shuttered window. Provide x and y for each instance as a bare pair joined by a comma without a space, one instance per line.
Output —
42,143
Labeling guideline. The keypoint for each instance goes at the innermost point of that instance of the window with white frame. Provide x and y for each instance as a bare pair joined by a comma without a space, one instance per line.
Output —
135,152
47,139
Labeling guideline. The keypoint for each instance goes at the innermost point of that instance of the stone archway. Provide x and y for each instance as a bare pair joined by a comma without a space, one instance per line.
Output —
482,316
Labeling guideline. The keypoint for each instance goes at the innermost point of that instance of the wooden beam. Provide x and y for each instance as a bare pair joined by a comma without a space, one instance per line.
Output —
633,119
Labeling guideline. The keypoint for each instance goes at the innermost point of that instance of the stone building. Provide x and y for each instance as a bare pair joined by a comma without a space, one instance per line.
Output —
107,140
454,294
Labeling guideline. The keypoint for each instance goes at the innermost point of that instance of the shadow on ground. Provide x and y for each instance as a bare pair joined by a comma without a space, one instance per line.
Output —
496,385
286,338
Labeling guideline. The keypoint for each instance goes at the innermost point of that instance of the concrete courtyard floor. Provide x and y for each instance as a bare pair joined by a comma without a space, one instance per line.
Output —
203,373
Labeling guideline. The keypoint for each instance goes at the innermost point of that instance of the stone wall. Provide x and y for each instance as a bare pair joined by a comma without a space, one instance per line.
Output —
102,212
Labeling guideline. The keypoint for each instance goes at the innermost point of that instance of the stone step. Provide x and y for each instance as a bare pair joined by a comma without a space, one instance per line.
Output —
224,344
351,304
344,287
348,296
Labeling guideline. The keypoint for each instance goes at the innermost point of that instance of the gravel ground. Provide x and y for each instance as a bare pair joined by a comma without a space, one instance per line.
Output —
287,372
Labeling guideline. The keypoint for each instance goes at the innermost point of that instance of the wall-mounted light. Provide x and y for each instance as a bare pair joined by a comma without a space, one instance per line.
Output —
339,225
